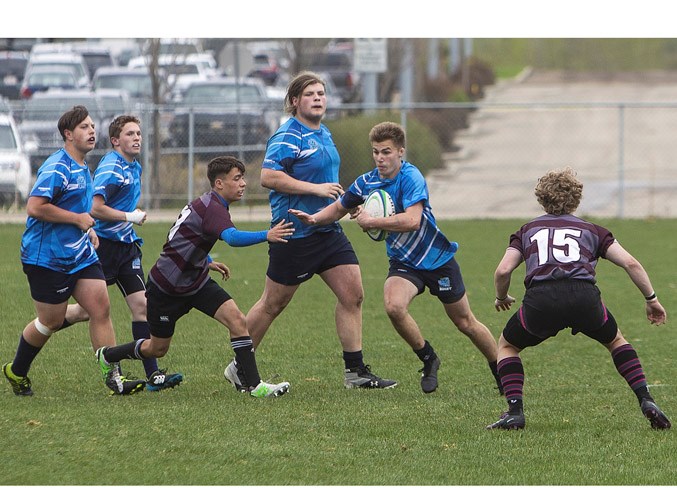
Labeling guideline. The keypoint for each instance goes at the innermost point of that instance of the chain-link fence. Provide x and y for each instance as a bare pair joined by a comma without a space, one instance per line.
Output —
480,159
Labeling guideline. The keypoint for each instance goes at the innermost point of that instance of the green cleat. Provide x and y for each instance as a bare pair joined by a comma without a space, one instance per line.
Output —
265,390
21,385
118,384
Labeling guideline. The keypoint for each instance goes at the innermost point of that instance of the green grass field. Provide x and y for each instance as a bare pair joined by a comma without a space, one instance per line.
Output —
584,426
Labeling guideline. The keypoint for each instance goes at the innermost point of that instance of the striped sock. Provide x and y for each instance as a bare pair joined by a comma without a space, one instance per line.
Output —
511,372
628,366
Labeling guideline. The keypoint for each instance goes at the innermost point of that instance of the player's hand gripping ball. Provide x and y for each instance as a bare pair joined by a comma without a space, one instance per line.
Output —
379,204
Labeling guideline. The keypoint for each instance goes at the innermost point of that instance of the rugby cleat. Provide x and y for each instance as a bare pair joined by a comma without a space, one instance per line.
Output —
509,421
267,390
655,415
233,374
161,380
118,384
21,385
429,375
362,377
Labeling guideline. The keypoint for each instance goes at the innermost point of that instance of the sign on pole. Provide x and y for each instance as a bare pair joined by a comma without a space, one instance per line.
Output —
371,55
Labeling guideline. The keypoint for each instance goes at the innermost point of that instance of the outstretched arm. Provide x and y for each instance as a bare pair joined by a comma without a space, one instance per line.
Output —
241,238
620,257
327,215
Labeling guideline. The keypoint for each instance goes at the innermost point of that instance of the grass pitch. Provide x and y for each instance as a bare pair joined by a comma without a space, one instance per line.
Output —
583,423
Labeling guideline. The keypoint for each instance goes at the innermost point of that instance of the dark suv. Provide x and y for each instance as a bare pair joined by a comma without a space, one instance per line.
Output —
222,108
12,67
338,65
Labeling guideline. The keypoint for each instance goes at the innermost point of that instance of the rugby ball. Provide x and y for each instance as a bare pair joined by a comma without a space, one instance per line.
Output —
379,204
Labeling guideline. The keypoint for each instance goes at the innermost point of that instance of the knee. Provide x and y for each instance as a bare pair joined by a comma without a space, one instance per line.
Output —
155,350
353,300
396,311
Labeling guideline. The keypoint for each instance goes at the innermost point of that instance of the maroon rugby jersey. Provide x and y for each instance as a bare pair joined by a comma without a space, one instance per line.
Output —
560,247
182,268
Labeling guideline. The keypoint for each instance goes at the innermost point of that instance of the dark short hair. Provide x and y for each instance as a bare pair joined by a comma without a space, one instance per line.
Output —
71,119
115,127
296,86
222,166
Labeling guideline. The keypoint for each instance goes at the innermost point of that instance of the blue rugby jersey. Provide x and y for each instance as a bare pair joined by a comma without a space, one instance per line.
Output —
119,183
60,247
426,248
557,247
307,155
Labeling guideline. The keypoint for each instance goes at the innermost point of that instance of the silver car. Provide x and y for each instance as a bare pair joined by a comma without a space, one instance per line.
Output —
15,167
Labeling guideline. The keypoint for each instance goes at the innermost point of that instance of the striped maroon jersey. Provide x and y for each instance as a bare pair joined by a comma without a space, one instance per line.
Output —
182,268
560,247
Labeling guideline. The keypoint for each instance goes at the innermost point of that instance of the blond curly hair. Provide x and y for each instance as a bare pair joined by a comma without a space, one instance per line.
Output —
559,192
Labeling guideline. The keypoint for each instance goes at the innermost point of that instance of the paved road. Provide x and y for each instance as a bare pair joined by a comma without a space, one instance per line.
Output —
507,147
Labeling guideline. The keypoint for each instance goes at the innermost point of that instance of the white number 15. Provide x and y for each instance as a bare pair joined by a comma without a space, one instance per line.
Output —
565,248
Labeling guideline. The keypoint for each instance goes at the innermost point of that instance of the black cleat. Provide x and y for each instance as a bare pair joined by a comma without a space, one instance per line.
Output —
429,376
364,378
509,421
655,415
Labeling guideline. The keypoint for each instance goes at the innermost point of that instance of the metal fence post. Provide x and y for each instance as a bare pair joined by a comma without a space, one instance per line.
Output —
621,160
191,152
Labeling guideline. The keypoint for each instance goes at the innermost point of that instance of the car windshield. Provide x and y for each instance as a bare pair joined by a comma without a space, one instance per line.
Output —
52,108
12,67
95,60
181,69
79,70
136,86
211,94
52,79
7,140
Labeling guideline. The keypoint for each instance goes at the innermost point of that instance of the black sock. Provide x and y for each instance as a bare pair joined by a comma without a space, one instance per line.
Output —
426,353
353,360
25,354
130,350
141,330
493,366
246,360
65,324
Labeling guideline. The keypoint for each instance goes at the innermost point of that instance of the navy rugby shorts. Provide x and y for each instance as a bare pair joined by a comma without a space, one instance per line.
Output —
298,260
445,282
49,286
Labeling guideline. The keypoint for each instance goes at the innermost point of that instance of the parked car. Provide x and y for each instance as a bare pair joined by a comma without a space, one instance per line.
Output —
69,59
95,55
136,82
339,66
43,77
41,114
12,68
220,107
15,166
113,104
265,68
